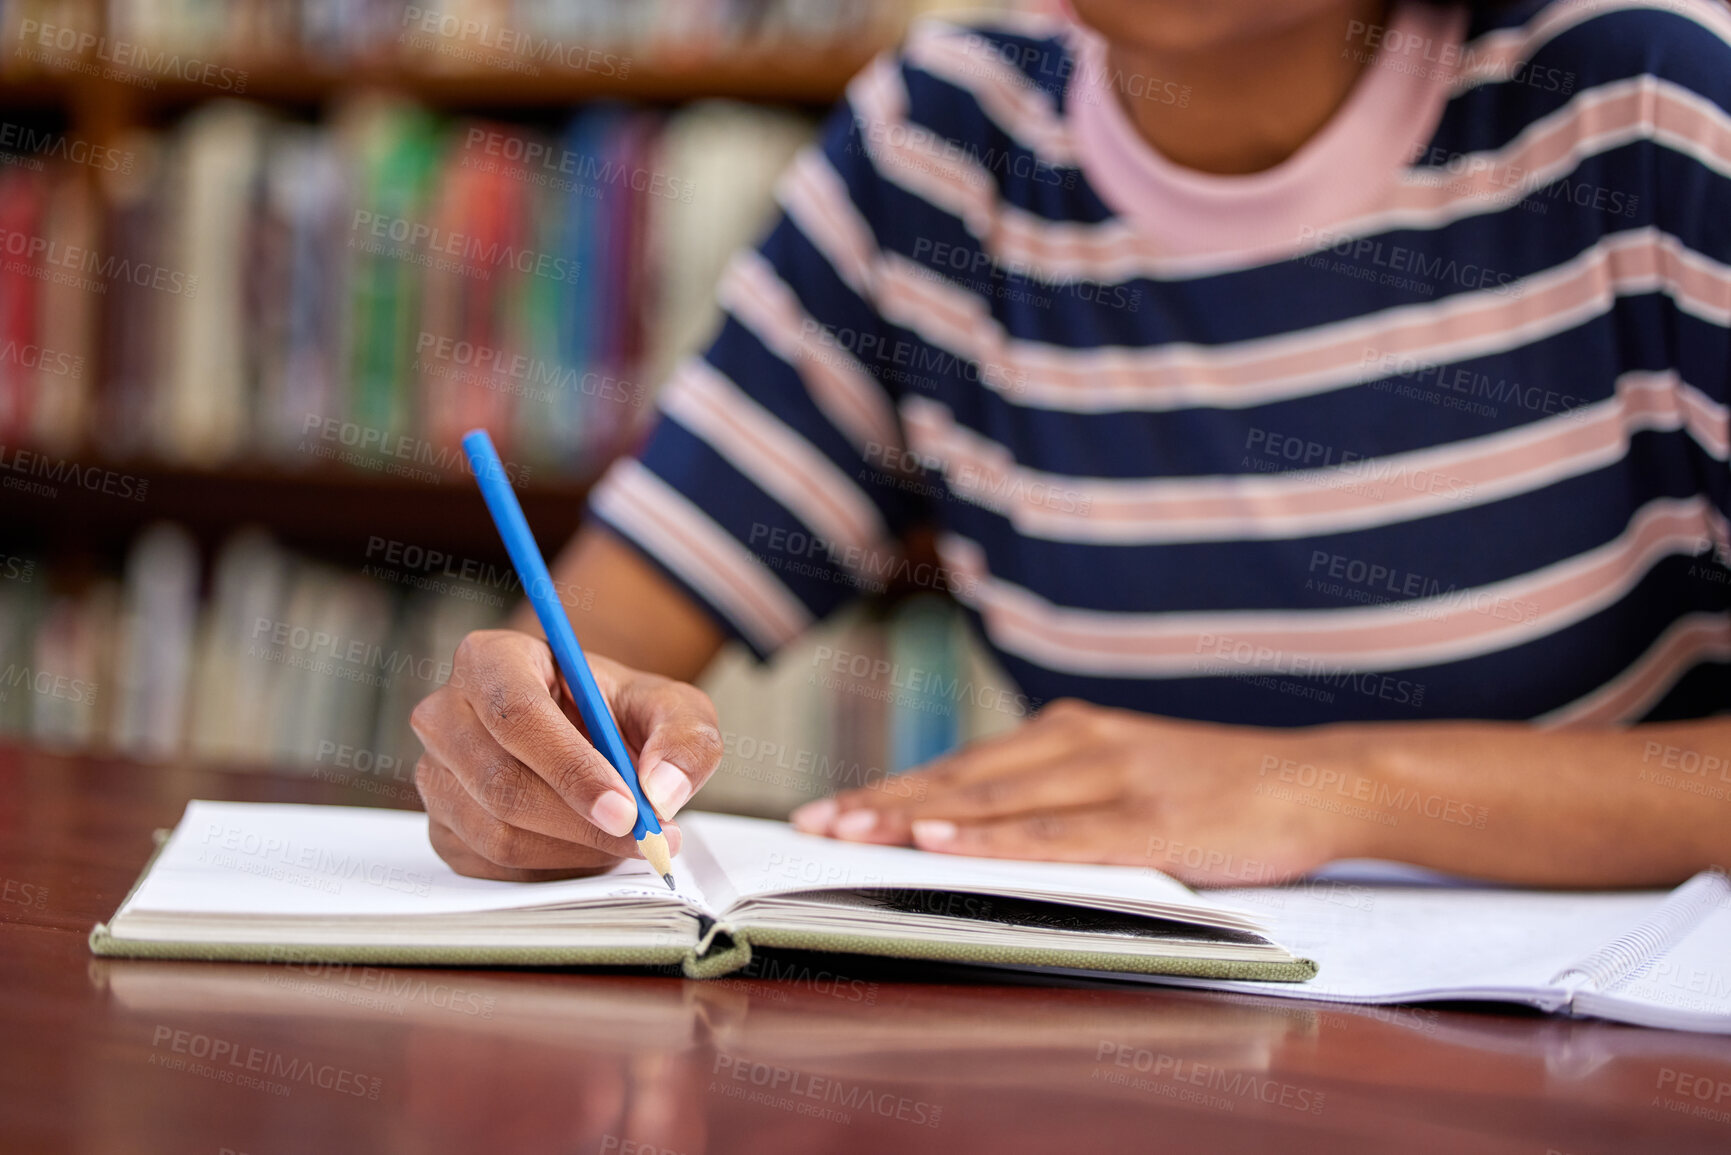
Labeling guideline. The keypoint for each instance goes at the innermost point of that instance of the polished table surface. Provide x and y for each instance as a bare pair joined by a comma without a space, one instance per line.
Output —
810,1055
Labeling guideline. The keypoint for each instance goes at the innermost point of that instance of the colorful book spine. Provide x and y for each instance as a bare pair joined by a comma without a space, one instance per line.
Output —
923,682
396,151
22,272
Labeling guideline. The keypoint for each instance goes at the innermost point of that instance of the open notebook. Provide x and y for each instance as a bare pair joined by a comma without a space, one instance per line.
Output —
314,883
1656,958
350,884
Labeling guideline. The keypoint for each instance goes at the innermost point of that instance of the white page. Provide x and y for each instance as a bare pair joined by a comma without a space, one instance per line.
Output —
760,858
1392,944
243,858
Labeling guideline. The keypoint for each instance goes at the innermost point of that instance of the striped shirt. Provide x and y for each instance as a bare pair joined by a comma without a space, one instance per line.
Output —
1427,421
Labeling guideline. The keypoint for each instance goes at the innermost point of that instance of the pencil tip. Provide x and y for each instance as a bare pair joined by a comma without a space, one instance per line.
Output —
668,879
654,848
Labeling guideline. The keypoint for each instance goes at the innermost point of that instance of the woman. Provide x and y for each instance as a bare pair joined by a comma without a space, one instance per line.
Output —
1317,395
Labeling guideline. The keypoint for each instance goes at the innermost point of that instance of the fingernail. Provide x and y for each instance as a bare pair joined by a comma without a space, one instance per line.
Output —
615,814
667,787
813,817
856,823
934,831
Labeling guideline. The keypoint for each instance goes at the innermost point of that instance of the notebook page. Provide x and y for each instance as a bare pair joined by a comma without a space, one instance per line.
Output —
345,861
1377,944
761,858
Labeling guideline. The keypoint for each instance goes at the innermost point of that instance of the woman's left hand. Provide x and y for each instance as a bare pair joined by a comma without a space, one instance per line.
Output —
1084,783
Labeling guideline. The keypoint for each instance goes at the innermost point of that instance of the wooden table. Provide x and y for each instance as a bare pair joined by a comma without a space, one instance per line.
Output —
829,1055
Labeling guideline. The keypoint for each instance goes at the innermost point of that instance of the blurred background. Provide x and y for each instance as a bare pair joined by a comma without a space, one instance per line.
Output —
263,261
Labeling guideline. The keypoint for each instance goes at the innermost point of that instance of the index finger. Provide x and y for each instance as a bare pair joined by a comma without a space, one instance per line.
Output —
973,767
510,682
1041,788
673,727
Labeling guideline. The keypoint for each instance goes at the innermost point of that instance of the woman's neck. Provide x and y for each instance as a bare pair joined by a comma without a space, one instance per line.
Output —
1254,102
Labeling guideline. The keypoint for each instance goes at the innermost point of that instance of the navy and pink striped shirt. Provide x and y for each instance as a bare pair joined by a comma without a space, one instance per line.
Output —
1430,420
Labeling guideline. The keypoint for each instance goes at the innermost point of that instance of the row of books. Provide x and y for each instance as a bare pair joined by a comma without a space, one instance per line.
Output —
251,287
527,36
280,660
285,661
875,691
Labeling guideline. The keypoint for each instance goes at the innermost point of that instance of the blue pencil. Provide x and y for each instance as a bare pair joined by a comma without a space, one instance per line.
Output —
538,585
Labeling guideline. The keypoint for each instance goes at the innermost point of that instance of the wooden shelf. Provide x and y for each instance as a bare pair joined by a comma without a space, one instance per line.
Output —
36,91
333,511
329,510
793,75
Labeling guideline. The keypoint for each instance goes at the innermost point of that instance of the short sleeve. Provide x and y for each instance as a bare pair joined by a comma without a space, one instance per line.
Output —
771,486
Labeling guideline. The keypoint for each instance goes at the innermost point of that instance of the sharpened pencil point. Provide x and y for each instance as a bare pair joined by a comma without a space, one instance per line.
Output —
654,848
668,879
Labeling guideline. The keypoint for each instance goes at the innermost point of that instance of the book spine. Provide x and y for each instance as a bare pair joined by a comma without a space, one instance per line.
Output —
924,678
720,950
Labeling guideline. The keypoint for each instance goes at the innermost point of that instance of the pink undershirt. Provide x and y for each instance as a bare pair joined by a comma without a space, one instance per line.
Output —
1339,173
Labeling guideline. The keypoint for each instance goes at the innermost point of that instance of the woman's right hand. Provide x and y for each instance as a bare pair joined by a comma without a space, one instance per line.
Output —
513,788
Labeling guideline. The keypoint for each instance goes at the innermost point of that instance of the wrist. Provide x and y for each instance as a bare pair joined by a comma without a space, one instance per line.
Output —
1349,782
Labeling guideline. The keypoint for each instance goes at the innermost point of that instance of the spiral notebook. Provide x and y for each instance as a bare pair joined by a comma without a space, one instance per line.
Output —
350,884
1653,958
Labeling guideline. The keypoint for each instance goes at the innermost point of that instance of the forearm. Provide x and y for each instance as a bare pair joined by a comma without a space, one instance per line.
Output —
623,608
1644,806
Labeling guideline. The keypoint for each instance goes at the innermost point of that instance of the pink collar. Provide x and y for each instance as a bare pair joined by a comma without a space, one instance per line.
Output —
1340,173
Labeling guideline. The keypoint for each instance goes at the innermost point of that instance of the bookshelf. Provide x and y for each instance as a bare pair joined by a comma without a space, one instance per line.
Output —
328,510
165,602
